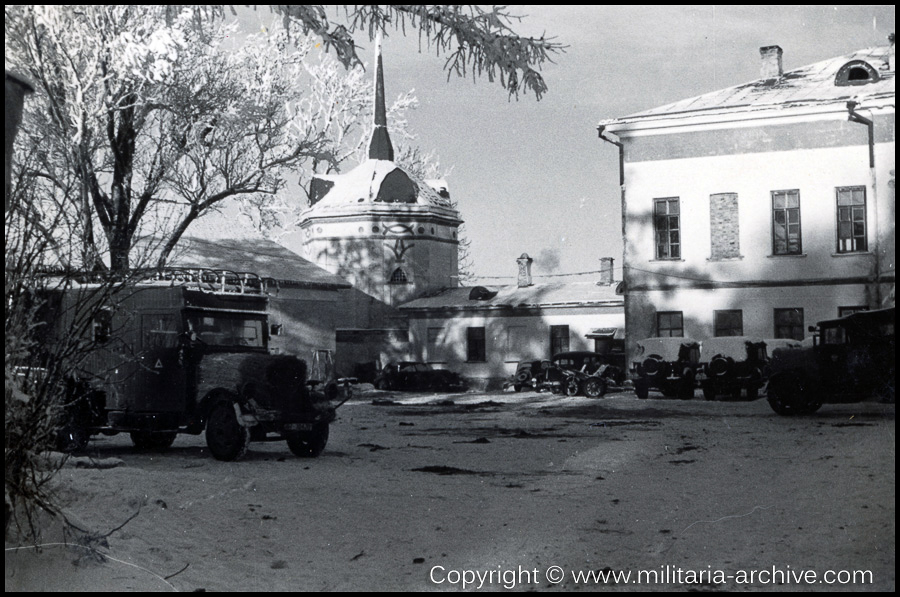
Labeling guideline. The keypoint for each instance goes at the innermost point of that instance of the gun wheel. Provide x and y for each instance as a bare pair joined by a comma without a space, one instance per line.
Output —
309,444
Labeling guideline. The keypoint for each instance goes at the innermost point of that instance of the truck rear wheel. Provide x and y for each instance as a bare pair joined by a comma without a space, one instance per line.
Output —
308,444
226,438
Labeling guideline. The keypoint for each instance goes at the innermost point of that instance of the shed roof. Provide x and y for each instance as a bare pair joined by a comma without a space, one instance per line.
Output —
263,257
572,294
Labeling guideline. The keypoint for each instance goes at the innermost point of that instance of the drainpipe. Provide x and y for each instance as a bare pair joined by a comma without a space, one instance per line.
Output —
601,129
854,116
625,276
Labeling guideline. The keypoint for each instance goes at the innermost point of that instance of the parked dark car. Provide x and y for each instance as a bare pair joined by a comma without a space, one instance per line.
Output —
411,376
529,375
848,360
572,372
730,365
669,365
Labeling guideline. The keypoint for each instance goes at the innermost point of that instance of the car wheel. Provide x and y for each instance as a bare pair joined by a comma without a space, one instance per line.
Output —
571,387
147,440
517,387
226,438
594,388
309,444
787,397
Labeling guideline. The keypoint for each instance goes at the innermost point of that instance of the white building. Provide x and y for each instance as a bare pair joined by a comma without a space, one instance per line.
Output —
482,333
762,208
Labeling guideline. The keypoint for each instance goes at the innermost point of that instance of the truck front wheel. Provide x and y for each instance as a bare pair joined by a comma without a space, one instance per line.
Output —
308,444
226,438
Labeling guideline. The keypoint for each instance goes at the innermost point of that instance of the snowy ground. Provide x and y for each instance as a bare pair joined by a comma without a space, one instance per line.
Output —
501,490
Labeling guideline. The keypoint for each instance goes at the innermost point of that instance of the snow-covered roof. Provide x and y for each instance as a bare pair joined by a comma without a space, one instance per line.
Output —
263,257
815,84
364,185
571,294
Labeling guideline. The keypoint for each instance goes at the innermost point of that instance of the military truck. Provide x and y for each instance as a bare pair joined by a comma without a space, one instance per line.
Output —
847,359
187,351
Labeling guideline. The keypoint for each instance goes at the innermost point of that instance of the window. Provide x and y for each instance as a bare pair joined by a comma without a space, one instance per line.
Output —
786,223
559,339
102,325
667,228
399,277
851,219
160,331
789,323
729,322
844,311
475,345
670,323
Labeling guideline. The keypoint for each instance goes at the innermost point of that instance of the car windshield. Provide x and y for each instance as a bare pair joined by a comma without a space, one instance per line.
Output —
227,330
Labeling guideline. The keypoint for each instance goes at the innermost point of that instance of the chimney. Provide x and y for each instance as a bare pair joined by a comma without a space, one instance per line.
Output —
524,263
606,271
891,62
771,62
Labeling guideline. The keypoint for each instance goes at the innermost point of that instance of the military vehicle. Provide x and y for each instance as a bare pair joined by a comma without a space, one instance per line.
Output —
187,351
847,359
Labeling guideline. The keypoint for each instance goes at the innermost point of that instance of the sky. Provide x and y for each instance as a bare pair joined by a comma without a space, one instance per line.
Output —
533,176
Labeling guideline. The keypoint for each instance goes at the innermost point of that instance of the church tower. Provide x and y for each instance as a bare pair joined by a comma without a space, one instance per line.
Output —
391,235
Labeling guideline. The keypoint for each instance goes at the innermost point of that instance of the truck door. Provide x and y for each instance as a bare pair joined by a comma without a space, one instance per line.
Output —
158,384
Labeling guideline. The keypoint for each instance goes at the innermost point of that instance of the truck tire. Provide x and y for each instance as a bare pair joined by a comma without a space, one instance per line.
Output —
226,438
308,444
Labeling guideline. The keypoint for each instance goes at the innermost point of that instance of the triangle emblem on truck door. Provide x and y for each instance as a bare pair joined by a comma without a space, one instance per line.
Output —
158,364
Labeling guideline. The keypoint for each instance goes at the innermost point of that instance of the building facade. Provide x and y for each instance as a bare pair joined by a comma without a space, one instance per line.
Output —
483,333
762,208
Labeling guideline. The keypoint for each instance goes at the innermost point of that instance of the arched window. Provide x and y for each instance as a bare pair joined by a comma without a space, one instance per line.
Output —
856,72
399,277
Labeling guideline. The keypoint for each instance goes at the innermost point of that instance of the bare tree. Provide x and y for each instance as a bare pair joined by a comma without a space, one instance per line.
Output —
160,123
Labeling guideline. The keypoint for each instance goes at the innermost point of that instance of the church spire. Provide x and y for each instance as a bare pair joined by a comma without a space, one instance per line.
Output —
380,147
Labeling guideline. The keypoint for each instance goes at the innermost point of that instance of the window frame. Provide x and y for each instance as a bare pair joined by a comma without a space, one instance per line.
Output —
667,218
786,211
718,327
560,339
476,344
399,277
797,331
853,209
660,328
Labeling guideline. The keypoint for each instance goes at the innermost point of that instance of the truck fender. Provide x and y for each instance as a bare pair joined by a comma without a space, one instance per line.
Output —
220,396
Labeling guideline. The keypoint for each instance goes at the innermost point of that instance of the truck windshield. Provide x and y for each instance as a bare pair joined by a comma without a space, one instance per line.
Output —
227,330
